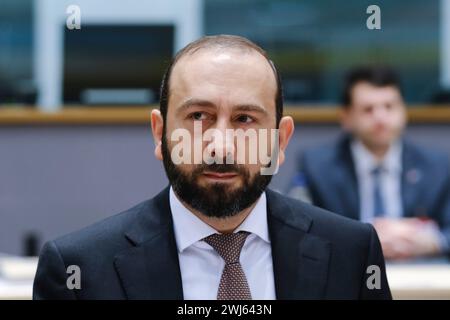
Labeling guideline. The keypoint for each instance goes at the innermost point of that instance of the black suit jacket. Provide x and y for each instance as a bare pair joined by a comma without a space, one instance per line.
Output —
133,255
331,179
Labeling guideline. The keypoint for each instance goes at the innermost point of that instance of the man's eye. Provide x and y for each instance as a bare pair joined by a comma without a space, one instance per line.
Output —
245,119
198,116
368,110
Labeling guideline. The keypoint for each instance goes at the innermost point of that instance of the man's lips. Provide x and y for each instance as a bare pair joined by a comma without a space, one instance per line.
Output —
220,175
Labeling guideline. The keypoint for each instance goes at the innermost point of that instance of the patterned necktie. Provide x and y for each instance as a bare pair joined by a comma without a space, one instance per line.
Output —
233,283
378,203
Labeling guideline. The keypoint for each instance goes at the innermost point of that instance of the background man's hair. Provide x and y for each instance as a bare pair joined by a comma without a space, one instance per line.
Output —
219,42
379,76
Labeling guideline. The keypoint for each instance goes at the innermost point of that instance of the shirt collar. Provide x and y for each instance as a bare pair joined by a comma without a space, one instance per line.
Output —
366,162
189,229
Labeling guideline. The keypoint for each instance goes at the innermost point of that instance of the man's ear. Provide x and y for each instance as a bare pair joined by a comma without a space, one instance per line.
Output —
286,129
157,130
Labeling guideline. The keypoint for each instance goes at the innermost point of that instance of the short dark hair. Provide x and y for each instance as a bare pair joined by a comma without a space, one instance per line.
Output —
225,42
379,76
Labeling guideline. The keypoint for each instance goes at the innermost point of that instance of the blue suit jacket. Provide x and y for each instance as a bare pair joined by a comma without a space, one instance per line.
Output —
133,255
330,178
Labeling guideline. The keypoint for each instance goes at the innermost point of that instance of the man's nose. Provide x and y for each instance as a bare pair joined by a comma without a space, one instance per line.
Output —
222,145
381,113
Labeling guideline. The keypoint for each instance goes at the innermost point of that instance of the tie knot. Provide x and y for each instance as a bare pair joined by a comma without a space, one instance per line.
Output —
377,171
228,246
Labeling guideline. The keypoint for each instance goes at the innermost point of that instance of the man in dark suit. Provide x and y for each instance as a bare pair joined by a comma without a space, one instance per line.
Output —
373,174
216,232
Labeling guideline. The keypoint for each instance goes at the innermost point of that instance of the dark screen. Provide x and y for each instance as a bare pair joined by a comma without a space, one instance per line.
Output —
111,56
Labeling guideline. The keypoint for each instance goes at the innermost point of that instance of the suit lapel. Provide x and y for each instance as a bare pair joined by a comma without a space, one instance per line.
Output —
300,260
150,268
410,178
345,177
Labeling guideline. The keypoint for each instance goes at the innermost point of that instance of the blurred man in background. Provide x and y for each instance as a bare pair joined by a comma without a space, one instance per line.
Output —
373,174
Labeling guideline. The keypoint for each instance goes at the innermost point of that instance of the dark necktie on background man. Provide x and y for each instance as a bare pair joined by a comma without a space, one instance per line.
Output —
378,203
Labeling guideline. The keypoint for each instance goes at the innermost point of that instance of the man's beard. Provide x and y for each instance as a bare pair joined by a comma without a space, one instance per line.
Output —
218,199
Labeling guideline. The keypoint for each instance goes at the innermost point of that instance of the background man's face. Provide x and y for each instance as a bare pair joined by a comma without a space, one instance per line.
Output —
221,90
376,116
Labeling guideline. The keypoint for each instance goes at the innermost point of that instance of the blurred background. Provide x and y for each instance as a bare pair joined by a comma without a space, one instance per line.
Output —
75,138
47,65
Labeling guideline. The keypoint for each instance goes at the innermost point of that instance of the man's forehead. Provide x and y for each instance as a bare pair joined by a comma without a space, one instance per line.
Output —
222,60
364,85
228,71
368,91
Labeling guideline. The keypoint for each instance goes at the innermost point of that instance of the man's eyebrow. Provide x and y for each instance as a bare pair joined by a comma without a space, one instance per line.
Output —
205,103
251,107
195,102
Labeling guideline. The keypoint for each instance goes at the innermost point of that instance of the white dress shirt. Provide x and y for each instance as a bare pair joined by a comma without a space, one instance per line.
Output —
390,180
201,266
